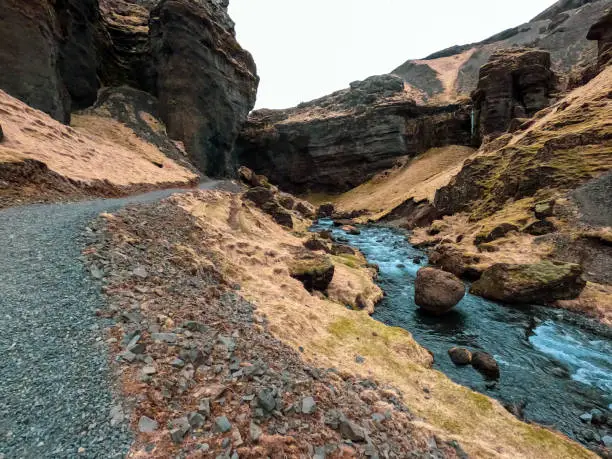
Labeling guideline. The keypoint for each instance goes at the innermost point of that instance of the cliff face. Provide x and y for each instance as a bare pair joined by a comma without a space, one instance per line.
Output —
340,141
56,55
560,30
602,32
205,82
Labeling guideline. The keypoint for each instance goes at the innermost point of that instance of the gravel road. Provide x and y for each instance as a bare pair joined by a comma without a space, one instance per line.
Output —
56,395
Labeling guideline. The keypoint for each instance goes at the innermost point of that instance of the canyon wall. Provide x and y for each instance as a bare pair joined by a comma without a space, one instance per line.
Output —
56,55
339,141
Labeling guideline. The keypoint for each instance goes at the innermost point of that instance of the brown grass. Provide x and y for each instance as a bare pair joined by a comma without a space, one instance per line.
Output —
94,149
418,179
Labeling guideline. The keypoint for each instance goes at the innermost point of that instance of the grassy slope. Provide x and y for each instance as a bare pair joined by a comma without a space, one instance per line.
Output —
92,150
255,252
418,179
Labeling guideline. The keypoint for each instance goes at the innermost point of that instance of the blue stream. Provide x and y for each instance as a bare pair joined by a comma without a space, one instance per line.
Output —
558,370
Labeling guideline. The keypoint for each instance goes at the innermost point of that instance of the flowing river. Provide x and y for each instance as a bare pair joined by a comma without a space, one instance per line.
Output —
552,366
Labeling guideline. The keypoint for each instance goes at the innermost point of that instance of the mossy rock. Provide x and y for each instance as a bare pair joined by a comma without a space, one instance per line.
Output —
540,283
315,273
496,233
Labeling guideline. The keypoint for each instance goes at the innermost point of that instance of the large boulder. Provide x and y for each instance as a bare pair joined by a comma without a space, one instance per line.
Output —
455,261
437,291
539,283
602,32
316,273
515,83
206,83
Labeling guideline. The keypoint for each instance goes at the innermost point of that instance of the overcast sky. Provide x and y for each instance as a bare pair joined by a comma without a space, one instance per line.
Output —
305,49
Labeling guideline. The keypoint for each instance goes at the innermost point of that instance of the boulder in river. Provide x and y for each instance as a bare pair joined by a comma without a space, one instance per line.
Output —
486,364
326,210
539,283
460,356
437,291
351,230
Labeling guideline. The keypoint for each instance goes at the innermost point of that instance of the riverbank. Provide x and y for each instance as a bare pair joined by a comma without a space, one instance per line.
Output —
234,241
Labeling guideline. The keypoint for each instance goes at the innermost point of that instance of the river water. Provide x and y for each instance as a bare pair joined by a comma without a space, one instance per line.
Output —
555,368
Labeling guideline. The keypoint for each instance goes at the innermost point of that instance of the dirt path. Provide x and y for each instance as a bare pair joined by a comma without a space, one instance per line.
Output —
56,396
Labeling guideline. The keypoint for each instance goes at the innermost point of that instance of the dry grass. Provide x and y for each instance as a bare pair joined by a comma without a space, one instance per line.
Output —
94,149
418,179
254,252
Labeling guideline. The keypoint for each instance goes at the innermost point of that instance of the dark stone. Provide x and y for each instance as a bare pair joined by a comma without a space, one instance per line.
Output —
544,209
206,95
1,134
455,261
540,227
496,233
326,210
316,243
341,249
460,356
260,195
279,214
486,364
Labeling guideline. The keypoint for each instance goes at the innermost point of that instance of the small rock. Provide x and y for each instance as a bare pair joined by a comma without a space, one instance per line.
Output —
127,356
308,405
486,364
359,359
196,420
222,424
177,363
255,432
178,429
170,338
147,425
228,342
149,370
204,407
460,356
607,441
586,418
350,229
351,431
196,327
266,399
141,272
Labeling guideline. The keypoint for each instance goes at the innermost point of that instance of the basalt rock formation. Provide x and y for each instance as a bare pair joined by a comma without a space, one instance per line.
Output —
30,54
55,56
602,32
516,83
206,83
341,140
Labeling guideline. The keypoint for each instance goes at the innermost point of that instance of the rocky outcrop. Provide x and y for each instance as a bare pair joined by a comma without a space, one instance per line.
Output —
184,52
540,283
516,83
602,32
455,261
29,56
337,142
437,291
206,83
316,273
453,72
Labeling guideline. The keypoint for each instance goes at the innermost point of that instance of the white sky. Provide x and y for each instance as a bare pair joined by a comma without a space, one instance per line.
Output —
305,49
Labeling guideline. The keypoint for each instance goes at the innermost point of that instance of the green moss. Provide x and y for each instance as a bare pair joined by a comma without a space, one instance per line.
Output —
349,260
318,265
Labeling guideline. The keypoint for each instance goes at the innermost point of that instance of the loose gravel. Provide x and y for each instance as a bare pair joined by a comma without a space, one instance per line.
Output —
56,387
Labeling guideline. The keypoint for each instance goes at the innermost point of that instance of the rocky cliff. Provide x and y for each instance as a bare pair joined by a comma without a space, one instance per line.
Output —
341,140
515,83
560,30
55,56
602,32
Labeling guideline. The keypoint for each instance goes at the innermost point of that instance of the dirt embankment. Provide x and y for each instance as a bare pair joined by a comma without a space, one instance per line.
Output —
223,253
43,160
